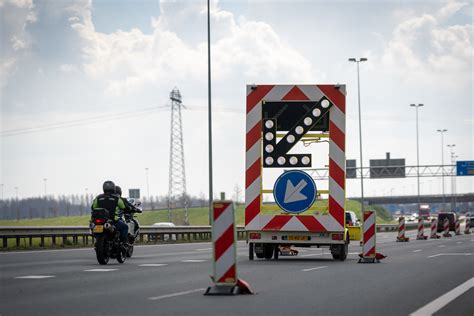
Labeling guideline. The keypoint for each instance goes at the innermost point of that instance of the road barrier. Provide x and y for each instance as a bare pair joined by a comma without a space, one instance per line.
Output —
369,253
24,236
446,228
457,227
76,235
421,230
401,230
224,245
467,228
434,229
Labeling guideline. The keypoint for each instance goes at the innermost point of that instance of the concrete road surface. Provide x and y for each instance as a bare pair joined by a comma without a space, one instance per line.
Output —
420,277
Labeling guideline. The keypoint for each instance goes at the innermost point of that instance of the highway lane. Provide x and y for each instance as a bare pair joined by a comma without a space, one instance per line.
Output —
170,280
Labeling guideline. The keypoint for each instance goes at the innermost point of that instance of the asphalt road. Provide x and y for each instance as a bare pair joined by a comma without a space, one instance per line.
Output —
171,280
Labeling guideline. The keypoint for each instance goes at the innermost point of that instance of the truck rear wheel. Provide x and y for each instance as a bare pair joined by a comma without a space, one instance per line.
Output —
268,251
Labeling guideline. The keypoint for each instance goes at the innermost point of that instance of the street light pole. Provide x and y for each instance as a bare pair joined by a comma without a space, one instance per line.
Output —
44,180
442,131
450,146
147,184
16,192
357,61
209,107
417,152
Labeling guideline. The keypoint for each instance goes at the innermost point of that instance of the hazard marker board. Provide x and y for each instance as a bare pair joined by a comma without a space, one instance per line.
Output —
290,112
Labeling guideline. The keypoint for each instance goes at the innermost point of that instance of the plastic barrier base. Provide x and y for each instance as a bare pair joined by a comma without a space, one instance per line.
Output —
376,259
403,239
422,238
240,288
447,235
435,236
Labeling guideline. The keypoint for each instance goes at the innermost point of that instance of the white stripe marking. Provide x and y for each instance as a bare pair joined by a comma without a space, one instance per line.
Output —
312,255
417,250
451,254
311,269
153,265
459,242
100,270
203,249
445,299
175,294
193,260
35,277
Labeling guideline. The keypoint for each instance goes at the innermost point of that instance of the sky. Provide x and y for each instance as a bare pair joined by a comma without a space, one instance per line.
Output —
84,87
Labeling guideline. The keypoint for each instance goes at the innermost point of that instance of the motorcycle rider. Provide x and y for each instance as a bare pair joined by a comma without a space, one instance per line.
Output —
111,202
118,192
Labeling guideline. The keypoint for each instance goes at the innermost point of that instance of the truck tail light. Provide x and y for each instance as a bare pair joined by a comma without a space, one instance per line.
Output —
337,236
255,236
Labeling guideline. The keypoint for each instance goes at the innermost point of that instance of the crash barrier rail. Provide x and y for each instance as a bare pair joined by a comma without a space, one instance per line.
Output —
62,234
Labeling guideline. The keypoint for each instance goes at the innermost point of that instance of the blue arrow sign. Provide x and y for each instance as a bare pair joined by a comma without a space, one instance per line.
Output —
294,191
465,168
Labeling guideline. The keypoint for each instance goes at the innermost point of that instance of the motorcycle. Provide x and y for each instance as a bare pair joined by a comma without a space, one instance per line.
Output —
133,225
107,237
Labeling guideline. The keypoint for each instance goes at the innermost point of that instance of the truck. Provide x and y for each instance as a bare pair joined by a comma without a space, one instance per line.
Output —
281,118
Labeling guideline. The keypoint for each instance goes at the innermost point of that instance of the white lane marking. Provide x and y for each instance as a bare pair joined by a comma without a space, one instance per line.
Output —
451,254
418,250
459,242
193,260
35,277
445,299
100,270
153,265
175,294
315,268
312,255
353,253
203,249
442,246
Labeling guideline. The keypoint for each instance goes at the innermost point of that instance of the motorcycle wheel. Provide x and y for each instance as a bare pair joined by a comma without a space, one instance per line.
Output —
121,255
101,250
130,252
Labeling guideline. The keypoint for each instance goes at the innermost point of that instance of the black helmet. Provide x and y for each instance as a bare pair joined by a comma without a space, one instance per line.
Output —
118,190
108,187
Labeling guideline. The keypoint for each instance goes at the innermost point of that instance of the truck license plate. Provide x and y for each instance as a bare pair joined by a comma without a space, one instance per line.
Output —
298,237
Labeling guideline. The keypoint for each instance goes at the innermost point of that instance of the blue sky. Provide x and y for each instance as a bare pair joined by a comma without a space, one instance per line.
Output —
71,60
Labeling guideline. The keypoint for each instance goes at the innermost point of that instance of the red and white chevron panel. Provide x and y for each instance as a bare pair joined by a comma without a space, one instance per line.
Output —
223,239
334,221
368,247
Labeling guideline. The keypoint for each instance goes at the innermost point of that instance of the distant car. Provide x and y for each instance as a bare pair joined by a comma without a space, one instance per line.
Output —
166,236
452,221
351,219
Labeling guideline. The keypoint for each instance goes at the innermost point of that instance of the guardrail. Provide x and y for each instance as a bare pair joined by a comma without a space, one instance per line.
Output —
71,235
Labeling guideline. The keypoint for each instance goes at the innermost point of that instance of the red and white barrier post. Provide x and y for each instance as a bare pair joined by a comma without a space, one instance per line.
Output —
457,227
421,230
369,253
434,229
224,244
401,230
467,228
446,228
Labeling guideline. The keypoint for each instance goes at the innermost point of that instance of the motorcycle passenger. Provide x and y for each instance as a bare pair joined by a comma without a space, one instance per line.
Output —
118,191
111,202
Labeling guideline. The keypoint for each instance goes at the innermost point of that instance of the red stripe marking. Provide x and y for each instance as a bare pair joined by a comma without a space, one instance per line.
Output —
334,95
277,222
367,214
311,223
370,252
337,136
369,233
257,95
252,210
219,210
336,173
295,94
252,173
231,273
336,211
224,242
253,135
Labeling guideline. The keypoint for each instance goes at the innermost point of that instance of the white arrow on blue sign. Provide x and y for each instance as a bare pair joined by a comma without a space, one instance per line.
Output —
294,191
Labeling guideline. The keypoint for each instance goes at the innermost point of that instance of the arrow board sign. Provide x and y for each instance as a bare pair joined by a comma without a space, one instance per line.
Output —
294,191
